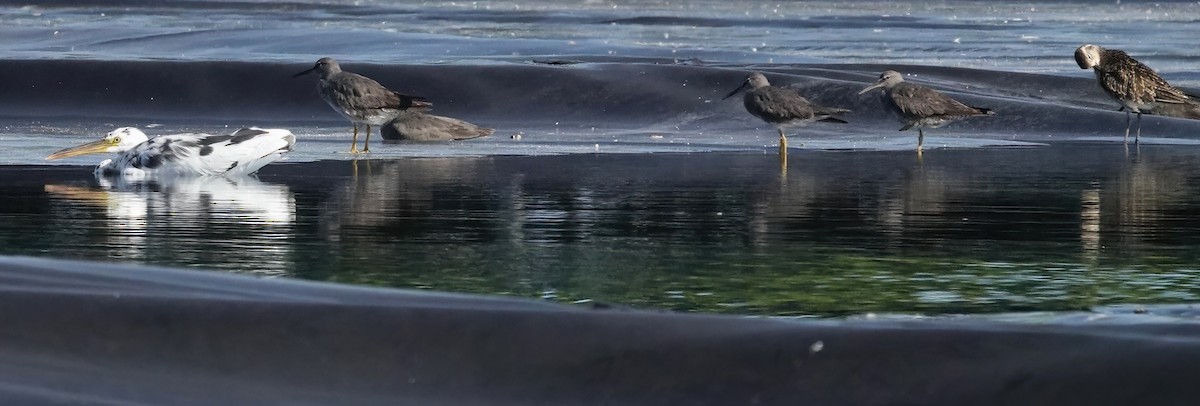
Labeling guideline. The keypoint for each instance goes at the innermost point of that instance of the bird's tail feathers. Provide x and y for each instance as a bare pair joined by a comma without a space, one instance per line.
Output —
414,102
834,120
831,110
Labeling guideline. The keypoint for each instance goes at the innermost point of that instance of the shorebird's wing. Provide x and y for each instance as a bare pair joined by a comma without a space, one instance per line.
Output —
778,104
1127,79
817,109
919,101
361,93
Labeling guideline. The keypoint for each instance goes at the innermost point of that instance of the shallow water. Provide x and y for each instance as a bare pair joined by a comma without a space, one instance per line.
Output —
617,174
1062,227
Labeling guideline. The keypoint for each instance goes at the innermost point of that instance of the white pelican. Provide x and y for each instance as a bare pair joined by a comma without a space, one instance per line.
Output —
238,154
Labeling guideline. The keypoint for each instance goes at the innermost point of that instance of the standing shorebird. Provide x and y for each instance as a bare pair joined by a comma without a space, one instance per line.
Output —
920,106
782,107
184,155
360,99
1137,87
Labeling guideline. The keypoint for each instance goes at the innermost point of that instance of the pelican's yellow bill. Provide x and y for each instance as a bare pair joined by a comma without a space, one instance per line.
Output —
94,147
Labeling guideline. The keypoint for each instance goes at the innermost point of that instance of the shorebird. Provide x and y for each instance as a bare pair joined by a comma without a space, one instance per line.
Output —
418,126
360,99
238,154
1137,87
920,106
782,107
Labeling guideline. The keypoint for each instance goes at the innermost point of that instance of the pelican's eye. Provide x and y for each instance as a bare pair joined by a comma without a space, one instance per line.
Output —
116,140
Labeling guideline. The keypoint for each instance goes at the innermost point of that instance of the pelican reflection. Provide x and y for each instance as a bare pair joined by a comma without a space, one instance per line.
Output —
231,224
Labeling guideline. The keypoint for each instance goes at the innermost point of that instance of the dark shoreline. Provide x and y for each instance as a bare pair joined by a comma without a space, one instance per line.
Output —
84,332
656,94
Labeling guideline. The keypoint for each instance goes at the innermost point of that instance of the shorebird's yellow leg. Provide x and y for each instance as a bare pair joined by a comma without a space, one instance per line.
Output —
783,162
354,141
782,154
367,140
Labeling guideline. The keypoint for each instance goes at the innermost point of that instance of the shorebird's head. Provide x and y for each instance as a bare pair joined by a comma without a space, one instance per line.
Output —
887,80
754,80
324,67
118,140
1088,56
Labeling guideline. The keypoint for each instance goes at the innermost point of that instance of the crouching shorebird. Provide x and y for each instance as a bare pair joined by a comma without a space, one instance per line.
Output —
1137,87
418,126
782,107
921,107
239,154
360,99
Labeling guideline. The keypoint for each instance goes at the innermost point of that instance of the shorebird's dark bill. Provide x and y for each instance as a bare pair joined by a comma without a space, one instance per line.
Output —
735,91
305,72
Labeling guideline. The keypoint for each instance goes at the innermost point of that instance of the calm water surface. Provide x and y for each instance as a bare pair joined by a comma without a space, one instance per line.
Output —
960,231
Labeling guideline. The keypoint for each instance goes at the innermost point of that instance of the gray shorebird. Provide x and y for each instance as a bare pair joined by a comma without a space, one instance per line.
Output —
782,107
418,126
360,99
920,106
1137,87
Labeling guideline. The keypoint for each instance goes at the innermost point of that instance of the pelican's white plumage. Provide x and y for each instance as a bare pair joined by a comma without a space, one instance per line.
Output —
179,155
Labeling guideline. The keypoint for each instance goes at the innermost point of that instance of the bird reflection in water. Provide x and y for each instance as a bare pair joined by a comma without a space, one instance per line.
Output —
206,221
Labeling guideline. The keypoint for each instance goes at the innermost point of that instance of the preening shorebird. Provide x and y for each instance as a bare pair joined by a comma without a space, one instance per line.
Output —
1138,88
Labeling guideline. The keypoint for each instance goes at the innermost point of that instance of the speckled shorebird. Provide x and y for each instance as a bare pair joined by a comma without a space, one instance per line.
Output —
360,99
181,155
920,106
1137,87
782,107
